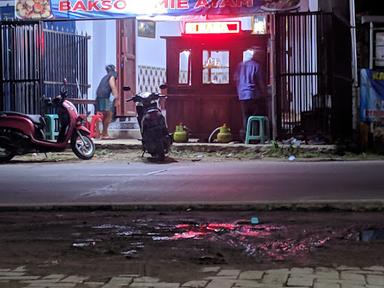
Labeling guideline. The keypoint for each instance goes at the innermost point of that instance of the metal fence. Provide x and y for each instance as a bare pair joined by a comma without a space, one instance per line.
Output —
65,57
313,76
36,60
21,79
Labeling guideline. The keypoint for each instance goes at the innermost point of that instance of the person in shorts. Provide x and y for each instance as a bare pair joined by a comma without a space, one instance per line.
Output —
106,95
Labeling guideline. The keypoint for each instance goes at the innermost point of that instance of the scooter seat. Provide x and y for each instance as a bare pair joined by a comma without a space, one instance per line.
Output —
153,110
36,119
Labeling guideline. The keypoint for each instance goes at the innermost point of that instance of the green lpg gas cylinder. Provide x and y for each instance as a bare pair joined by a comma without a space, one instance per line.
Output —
224,135
180,135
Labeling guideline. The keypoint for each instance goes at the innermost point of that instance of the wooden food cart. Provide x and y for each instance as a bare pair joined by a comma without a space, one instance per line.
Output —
200,77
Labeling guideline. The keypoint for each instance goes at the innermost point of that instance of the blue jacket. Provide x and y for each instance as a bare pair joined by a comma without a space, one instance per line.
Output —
248,75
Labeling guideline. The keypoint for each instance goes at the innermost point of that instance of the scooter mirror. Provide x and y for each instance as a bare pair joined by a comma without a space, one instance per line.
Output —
47,100
63,91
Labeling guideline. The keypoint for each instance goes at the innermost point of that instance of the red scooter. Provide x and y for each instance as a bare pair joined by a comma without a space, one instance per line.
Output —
22,133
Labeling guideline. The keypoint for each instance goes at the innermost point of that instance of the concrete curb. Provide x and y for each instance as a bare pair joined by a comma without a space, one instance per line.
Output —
309,206
120,144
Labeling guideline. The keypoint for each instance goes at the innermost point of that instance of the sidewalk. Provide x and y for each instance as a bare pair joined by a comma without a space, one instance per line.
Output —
217,147
216,277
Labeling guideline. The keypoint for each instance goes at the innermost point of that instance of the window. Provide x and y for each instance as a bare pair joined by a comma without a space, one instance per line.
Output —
215,67
379,51
185,67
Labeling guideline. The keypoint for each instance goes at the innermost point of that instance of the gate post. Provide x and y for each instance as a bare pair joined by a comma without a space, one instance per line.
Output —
273,72
1,67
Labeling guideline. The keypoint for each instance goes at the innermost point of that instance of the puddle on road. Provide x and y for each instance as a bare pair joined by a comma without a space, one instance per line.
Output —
84,243
253,240
130,253
231,230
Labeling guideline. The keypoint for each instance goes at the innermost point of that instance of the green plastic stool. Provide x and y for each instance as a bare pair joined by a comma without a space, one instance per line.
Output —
52,131
251,129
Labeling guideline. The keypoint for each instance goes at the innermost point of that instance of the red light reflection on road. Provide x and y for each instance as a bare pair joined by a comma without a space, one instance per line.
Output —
257,239
203,230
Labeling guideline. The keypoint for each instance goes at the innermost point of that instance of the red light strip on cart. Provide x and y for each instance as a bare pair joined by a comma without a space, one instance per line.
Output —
222,27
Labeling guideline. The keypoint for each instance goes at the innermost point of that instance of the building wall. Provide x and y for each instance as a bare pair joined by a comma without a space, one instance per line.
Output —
101,49
151,51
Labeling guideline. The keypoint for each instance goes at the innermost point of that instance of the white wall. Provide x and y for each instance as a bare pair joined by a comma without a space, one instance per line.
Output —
313,5
102,47
151,51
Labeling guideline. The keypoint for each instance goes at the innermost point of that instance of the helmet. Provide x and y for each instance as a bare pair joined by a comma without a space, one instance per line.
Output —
110,68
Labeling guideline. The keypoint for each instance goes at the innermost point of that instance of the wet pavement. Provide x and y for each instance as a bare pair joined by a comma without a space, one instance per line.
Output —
191,249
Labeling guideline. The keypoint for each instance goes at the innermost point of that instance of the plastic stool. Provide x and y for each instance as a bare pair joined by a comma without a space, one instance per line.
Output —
52,131
263,127
94,126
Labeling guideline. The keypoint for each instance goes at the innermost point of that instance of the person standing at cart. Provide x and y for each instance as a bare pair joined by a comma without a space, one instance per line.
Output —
106,95
251,87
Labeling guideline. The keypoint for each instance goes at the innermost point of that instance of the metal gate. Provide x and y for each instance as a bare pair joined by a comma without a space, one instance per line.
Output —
35,61
21,79
314,91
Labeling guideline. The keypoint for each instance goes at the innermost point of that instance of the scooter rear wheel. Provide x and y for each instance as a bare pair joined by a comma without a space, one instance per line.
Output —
83,147
6,154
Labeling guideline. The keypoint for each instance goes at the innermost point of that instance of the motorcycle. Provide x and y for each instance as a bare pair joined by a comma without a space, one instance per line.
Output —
23,133
156,139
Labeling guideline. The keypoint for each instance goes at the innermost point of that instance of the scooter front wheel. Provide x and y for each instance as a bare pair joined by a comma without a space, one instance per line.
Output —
82,146
6,153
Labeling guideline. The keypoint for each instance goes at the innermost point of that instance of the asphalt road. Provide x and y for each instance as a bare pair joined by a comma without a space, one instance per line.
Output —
190,182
